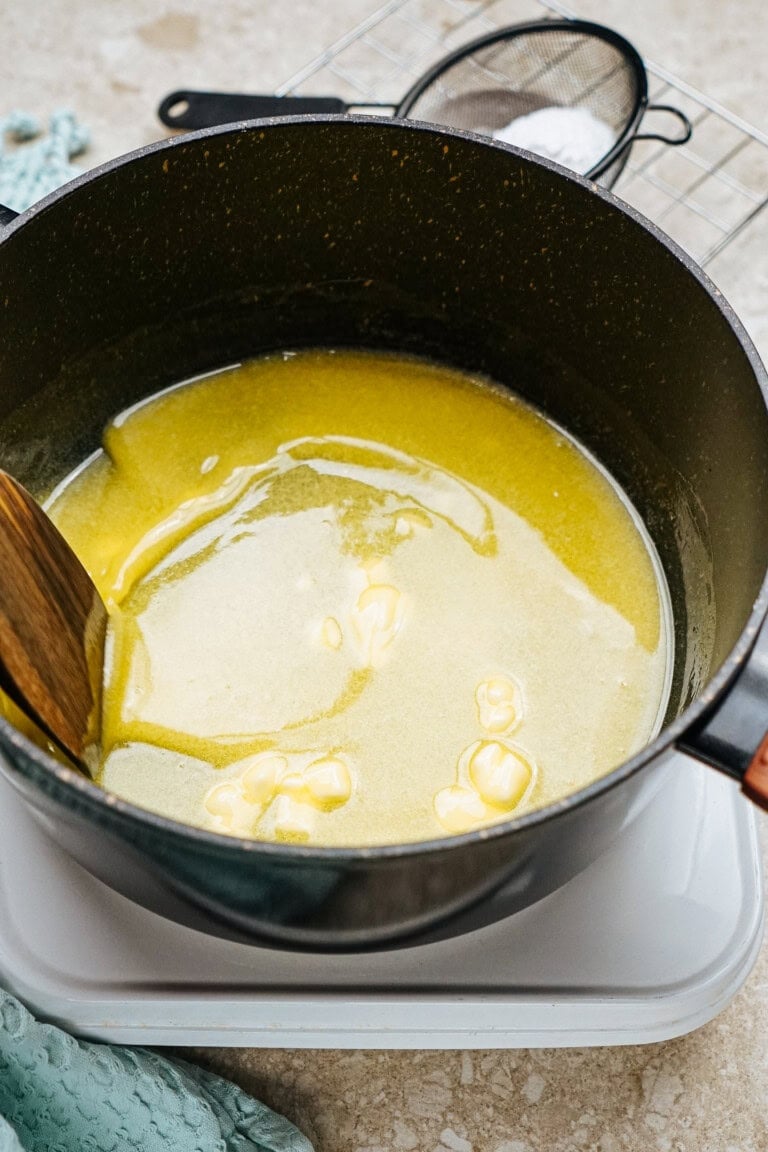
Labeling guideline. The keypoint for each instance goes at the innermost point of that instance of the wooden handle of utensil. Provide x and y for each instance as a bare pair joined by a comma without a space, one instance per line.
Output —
52,625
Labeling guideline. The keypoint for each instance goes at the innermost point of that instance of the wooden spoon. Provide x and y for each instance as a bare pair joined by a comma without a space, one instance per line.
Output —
52,628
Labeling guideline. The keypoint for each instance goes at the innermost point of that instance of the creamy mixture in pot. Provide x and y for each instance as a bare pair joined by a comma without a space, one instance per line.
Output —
360,599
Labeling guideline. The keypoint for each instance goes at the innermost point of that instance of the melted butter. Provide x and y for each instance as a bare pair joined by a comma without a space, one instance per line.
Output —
338,582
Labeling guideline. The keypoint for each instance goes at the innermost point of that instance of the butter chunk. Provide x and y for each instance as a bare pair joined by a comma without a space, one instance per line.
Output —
499,704
500,774
459,809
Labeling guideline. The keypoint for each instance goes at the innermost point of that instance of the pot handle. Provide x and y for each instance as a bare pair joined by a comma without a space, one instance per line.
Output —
733,735
686,126
6,215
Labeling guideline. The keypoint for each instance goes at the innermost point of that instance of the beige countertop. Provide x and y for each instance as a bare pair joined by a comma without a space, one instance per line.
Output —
702,1093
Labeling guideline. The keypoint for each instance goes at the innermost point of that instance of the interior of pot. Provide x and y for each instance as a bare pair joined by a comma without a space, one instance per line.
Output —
384,235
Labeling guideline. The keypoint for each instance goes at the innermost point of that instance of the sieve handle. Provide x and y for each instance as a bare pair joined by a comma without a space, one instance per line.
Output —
687,127
188,109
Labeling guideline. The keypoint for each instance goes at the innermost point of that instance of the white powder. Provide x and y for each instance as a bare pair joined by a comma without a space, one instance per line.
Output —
572,137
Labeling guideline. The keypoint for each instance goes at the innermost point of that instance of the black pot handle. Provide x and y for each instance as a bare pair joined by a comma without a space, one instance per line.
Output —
733,735
687,127
6,215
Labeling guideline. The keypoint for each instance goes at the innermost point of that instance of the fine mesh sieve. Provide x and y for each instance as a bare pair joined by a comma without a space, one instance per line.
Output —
512,73
486,85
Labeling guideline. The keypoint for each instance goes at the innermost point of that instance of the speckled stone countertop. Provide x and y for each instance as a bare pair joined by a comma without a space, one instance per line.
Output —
705,1092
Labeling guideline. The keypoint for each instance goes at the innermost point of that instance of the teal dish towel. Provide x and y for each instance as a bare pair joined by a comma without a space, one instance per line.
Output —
37,162
58,1094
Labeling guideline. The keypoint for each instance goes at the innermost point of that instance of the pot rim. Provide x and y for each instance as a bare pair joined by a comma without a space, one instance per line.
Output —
40,767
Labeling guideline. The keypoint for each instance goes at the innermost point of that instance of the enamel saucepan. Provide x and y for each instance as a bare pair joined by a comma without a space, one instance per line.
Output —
339,231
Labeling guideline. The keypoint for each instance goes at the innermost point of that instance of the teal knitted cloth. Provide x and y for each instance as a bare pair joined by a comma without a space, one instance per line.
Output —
58,1094
29,171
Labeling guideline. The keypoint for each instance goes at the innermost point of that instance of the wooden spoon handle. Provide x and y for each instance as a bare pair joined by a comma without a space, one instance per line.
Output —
52,626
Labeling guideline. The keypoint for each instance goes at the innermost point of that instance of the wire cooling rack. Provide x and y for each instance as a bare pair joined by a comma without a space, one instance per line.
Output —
703,193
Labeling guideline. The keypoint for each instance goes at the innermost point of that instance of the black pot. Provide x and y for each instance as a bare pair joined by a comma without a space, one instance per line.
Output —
199,251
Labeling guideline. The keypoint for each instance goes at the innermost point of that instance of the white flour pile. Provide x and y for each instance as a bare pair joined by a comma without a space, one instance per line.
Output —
573,137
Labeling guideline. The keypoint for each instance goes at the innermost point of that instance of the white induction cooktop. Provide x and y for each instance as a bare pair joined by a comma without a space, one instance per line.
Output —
651,941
